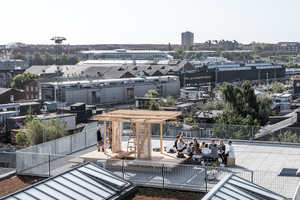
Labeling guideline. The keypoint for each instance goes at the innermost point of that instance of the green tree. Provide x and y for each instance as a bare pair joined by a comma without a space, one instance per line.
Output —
22,79
256,48
154,105
64,59
34,132
43,48
241,102
152,94
278,88
189,48
48,59
73,60
214,105
195,49
55,129
35,128
169,47
190,118
20,56
37,60
21,138
265,47
197,55
169,102
187,56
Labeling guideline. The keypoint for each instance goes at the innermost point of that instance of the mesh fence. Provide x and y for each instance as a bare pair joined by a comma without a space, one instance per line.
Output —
235,132
153,174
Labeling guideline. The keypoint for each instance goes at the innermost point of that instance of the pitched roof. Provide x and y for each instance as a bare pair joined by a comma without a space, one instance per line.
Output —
3,90
86,181
234,187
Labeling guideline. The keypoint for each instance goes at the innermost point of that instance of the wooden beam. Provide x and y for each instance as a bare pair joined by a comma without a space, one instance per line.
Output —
104,140
161,146
131,117
169,118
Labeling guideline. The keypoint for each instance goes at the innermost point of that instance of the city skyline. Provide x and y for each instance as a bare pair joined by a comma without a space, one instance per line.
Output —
149,22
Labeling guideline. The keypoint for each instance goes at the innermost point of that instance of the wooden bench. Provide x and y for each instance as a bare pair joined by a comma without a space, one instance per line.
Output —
77,160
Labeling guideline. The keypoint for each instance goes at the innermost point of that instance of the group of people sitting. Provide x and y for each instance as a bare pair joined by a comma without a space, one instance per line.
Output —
209,151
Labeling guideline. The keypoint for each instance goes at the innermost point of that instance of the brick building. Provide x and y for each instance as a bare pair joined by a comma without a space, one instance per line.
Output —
31,90
287,46
8,95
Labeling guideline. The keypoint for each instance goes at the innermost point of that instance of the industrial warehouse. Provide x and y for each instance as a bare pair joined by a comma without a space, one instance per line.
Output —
108,91
189,73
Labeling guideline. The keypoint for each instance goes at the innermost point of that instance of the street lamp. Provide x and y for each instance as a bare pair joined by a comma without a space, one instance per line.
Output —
267,79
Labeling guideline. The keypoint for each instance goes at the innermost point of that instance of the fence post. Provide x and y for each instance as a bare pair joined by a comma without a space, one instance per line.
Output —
49,167
252,176
225,131
280,136
252,135
123,169
163,175
71,144
85,138
205,179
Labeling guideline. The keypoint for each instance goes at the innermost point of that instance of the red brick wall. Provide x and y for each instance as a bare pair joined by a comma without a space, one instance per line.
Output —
5,97
29,94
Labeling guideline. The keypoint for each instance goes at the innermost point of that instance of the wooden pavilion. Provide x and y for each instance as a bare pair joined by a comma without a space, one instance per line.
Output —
139,141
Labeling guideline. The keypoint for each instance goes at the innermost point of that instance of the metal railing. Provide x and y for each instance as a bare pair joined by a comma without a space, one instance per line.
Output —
160,175
234,132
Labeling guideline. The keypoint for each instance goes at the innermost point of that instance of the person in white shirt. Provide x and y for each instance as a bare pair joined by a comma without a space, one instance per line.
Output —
230,153
206,153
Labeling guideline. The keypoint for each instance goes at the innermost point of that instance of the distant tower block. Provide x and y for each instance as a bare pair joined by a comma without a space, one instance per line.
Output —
187,38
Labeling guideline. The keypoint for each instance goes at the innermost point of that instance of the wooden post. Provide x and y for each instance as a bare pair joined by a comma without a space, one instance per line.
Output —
161,145
149,141
104,140
138,140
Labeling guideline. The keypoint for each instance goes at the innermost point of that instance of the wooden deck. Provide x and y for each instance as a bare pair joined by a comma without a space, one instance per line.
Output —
157,157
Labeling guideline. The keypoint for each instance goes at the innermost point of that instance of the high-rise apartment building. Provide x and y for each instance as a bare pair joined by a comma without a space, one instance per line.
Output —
187,38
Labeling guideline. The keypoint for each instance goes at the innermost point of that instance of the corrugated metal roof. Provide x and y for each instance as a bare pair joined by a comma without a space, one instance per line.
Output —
235,69
269,67
222,66
86,181
234,187
257,64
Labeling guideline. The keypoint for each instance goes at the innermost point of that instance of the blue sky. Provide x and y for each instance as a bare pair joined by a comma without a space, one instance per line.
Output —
155,21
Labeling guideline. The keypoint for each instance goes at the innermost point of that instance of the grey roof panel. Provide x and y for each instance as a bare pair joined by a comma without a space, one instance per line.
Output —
52,192
36,193
86,181
234,187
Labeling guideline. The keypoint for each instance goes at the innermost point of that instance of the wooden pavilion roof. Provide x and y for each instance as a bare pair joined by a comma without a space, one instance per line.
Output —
143,116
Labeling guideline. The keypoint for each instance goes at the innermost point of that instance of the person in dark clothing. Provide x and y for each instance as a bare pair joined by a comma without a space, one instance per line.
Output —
110,132
99,139
177,138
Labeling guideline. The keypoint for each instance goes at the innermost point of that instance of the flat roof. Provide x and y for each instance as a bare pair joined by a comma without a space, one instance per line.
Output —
120,51
143,116
110,80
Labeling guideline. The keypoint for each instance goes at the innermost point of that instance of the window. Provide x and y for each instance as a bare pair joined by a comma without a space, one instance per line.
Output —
27,88
96,96
185,133
36,96
27,96
32,96
36,89
209,133
31,88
